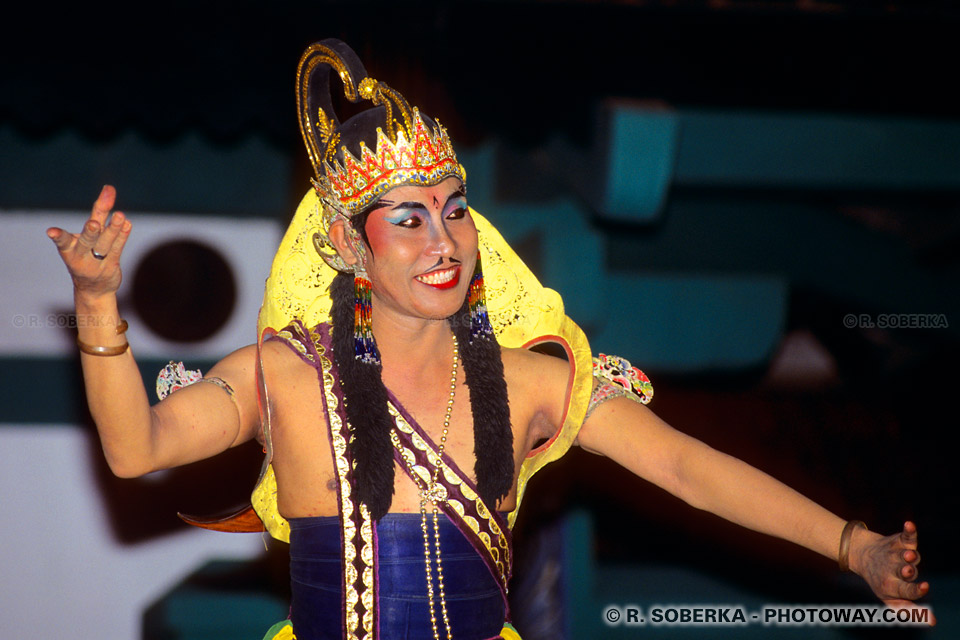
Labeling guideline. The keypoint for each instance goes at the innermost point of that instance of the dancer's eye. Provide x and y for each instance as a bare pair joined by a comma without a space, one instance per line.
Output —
410,223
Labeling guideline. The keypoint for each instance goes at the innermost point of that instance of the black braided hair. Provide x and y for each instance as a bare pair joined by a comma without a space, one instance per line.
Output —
368,416
492,433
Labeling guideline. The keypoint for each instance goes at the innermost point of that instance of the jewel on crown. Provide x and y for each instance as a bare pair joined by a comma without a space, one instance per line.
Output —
417,159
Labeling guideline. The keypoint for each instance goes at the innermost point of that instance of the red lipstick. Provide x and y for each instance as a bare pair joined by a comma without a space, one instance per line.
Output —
442,279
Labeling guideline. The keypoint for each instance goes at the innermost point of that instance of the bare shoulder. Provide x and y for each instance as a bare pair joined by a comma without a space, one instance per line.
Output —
240,367
520,362
279,358
285,372
298,432
537,384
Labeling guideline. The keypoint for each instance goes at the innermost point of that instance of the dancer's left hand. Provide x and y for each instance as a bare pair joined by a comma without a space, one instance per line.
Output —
889,566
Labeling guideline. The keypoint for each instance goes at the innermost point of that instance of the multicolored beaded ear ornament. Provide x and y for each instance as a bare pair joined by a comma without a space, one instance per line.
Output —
364,346
476,298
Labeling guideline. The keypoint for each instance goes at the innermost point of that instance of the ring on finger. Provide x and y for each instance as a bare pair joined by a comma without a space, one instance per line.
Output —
98,256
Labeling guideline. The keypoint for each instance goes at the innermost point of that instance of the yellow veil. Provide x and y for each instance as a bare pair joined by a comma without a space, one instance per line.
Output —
523,313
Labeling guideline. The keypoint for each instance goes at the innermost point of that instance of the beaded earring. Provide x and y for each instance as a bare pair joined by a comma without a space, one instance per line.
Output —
364,347
476,298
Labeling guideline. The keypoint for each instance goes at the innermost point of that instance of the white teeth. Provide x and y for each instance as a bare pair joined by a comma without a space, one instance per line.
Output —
438,277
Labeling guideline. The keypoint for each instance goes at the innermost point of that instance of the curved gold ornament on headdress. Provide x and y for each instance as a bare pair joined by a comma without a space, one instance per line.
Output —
408,150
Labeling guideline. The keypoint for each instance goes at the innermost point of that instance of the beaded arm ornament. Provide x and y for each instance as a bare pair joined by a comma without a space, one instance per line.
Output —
176,376
615,378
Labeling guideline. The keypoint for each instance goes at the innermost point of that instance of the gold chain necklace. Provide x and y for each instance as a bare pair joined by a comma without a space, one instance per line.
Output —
432,494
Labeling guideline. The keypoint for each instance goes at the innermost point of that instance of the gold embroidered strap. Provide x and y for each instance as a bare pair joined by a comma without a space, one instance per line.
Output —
358,537
416,453
358,546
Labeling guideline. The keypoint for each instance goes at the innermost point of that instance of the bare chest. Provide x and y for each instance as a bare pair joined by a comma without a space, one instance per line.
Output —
304,455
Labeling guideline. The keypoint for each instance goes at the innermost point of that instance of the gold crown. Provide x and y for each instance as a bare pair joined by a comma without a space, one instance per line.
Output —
408,150
421,159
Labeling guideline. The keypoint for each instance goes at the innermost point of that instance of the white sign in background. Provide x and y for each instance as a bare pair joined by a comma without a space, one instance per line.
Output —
66,575
35,284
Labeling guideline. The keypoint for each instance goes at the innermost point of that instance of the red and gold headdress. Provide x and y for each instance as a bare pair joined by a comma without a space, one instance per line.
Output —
357,161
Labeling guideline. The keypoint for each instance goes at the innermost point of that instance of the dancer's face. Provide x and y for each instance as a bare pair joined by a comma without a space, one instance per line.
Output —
422,250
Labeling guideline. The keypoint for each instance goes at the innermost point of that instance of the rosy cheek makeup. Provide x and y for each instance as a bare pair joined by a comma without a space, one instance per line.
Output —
378,235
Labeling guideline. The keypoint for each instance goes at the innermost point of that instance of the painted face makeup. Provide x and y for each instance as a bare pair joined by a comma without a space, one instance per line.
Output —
422,240
413,213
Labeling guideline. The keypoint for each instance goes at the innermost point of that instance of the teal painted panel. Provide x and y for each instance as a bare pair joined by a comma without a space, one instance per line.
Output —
578,573
222,599
65,171
640,161
680,323
815,249
479,163
816,151
50,390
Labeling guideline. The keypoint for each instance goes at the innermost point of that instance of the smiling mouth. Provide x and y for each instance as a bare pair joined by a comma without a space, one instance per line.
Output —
442,279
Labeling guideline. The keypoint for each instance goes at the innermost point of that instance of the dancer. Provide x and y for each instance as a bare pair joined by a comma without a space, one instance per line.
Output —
397,396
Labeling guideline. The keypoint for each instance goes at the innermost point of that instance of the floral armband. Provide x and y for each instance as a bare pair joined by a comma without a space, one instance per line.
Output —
176,376
616,378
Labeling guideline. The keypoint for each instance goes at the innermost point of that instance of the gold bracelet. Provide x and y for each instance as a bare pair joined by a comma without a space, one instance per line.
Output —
106,351
843,558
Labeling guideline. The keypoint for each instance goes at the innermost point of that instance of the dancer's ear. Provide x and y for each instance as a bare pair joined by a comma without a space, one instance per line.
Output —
344,241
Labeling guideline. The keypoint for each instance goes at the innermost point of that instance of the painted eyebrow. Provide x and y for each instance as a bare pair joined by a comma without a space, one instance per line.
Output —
416,205
409,205
459,193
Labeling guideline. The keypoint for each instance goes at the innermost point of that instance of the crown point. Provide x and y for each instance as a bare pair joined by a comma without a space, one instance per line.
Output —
419,156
